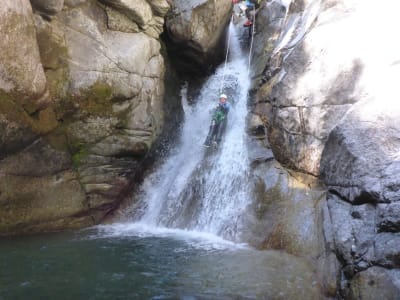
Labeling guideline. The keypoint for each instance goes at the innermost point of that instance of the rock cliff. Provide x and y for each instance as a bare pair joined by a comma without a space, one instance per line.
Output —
82,101
324,96
90,97
82,90
195,32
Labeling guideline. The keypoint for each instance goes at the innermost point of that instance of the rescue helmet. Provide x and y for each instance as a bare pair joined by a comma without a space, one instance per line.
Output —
223,96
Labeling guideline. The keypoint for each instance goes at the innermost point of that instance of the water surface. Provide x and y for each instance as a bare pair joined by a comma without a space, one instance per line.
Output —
123,262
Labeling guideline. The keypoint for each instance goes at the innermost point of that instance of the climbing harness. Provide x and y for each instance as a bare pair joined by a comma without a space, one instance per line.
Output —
226,60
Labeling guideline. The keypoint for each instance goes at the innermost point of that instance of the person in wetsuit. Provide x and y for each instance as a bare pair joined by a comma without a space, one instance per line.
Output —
218,122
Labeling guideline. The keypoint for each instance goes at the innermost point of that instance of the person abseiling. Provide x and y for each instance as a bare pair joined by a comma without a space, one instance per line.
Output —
250,12
218,122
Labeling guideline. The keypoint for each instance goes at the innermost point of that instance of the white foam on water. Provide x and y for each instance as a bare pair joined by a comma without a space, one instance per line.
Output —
195,239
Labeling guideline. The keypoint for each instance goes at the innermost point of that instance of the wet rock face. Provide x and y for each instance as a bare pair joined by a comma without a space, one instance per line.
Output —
92,81
196,31
289,212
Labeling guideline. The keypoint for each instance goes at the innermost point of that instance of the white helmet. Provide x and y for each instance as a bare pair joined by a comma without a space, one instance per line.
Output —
223,96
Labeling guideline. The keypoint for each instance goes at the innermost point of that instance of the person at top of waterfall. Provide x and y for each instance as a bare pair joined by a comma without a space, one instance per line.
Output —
219,121
250,11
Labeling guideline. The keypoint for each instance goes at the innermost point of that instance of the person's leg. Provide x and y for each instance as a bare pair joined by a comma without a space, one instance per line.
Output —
216,132
211,134
221,129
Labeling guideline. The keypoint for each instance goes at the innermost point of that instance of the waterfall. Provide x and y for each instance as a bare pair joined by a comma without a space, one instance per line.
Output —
195,188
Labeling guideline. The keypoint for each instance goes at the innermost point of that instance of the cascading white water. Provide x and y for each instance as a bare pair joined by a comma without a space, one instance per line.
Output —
194,189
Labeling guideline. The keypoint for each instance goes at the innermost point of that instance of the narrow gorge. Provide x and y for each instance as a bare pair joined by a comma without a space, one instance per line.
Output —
106,189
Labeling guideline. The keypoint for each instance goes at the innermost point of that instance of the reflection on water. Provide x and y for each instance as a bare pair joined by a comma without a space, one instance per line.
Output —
93,265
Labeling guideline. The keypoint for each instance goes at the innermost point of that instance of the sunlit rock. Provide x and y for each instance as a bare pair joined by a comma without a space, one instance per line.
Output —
22,76
99,87
361,156
327,96
23,91
139,11
313,79
115,88
137,16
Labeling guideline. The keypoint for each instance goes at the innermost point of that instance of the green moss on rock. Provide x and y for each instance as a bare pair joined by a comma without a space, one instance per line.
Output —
96,101
79,152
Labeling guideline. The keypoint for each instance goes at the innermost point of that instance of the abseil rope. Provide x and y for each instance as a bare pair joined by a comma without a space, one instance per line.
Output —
250,51
252,38
226,57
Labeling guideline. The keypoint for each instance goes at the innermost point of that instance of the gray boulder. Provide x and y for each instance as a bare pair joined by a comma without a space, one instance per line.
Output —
374,283
197,30
137,15
23,91
361,159
22,75
139,11
39,191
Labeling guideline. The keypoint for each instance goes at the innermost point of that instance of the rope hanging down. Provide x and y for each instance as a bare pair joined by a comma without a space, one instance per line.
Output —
226,59
252,39
250,51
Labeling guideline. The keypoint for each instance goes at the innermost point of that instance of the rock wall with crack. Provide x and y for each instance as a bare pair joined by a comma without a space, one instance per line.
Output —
324,103
83,98
195,34
82,88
